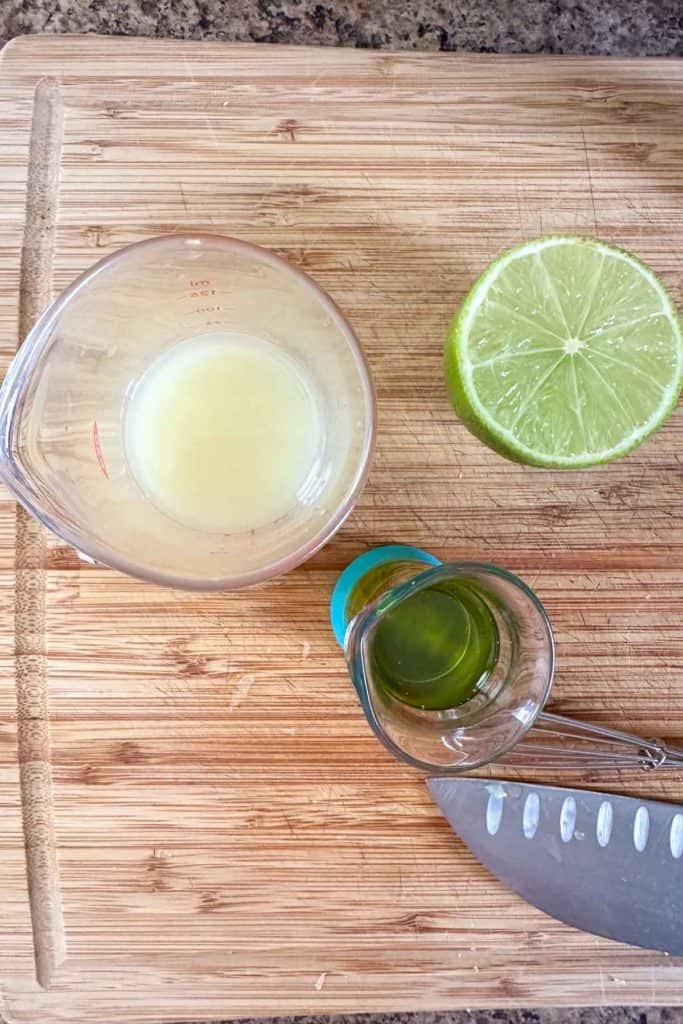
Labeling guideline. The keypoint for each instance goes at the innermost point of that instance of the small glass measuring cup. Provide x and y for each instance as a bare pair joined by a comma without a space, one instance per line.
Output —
64,398
495,721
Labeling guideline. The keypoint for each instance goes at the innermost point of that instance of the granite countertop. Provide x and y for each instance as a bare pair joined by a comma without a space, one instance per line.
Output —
624,27
609,27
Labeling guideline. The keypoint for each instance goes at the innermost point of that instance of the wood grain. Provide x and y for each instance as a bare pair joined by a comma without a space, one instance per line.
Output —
232,839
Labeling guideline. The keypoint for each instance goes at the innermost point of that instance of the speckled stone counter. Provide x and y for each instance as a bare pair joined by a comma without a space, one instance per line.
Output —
625,27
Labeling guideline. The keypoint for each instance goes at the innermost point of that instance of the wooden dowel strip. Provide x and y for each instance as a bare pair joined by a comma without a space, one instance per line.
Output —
33,732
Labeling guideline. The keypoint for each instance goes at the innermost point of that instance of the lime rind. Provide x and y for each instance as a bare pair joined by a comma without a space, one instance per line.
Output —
460,367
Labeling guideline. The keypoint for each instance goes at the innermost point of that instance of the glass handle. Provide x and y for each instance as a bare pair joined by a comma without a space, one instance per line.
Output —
559,742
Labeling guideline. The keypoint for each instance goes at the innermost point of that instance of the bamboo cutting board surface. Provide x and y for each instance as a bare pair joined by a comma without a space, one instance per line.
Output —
210,827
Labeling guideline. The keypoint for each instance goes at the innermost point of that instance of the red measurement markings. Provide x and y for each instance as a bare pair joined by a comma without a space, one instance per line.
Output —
201,289
98,449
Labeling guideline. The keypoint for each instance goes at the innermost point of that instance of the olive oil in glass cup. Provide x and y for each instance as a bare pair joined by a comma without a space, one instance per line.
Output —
452,663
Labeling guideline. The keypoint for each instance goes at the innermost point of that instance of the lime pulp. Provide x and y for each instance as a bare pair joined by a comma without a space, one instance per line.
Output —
567,352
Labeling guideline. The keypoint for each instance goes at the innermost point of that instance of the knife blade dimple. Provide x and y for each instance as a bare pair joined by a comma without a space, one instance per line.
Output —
676,837
531,815
604,823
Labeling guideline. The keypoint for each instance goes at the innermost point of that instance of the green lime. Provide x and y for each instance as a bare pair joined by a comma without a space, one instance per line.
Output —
567,352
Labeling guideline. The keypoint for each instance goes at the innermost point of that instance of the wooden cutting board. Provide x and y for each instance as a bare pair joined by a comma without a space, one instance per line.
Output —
224,836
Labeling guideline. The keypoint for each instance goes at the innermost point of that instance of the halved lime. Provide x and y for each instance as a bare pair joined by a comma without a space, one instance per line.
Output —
567,352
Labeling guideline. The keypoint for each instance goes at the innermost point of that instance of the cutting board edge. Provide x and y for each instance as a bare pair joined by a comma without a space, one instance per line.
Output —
46,45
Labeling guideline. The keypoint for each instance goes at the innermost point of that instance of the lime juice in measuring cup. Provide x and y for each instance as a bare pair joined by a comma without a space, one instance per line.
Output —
193,410
222,431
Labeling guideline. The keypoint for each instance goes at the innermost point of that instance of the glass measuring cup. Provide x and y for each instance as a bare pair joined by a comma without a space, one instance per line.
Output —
64,399
502,718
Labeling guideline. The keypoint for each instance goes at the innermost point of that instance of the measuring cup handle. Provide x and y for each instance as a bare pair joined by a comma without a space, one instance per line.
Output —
559,742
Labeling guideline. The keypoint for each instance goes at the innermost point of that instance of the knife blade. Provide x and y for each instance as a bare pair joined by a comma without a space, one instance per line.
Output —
610,865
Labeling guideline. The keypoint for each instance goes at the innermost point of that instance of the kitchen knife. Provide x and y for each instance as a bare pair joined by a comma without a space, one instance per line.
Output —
611,865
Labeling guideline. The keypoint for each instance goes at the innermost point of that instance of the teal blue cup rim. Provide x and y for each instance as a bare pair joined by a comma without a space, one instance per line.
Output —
358,568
